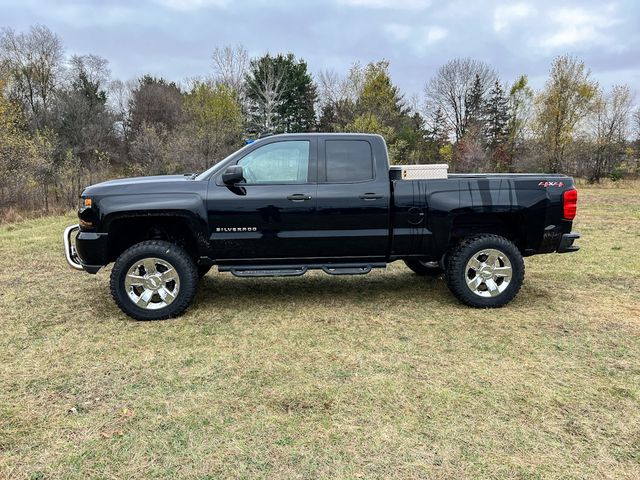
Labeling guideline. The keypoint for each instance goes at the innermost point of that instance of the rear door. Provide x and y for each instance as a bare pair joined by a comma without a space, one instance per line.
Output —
267,216
352,207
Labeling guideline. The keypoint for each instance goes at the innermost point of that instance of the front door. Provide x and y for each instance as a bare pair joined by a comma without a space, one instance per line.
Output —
267,217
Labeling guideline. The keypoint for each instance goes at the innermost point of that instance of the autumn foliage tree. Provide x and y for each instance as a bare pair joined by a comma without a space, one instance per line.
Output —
215,119
568,97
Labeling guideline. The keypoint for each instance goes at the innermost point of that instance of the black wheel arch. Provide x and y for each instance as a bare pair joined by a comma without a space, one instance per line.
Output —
177,227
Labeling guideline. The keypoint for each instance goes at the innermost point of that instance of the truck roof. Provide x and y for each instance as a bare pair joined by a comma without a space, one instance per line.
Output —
319,134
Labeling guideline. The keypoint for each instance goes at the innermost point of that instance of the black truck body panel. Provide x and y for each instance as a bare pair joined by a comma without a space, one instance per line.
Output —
323,222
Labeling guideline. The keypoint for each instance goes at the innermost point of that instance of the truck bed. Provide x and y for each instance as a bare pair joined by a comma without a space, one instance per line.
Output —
428,213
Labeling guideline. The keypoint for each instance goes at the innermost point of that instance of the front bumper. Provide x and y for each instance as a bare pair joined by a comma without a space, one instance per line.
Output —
84,250
566,243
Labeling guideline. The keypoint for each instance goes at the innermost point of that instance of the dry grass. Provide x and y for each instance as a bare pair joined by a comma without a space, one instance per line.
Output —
336,377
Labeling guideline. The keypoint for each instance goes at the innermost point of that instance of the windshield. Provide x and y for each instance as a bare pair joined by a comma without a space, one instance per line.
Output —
218,165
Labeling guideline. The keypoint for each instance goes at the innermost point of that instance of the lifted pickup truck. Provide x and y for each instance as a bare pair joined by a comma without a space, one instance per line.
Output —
286,204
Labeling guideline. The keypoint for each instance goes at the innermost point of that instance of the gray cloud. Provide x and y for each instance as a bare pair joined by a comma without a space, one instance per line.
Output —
174,38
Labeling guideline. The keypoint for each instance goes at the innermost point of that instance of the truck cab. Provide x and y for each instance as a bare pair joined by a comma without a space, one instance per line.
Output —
312,197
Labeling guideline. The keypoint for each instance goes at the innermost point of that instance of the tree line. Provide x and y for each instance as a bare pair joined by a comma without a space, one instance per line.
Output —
66,123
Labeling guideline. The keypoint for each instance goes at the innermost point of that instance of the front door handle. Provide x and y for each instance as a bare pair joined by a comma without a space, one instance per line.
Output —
299,197
370,196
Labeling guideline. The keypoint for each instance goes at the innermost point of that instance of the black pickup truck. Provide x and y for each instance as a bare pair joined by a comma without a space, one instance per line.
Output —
285,204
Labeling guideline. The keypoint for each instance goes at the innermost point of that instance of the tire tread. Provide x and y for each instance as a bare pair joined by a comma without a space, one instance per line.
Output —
187,285
454,274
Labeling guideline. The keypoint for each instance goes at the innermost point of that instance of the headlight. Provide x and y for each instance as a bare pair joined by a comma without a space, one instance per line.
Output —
86,213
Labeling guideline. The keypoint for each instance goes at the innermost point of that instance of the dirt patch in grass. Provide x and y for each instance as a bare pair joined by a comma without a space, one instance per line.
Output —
379,376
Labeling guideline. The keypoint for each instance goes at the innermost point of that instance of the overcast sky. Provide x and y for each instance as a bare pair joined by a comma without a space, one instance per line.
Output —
174,38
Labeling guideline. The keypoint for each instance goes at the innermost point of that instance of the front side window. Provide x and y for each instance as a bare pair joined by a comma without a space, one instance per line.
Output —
280,162
348,161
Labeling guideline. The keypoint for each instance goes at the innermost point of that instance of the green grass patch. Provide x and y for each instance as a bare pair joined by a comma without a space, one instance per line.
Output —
380,376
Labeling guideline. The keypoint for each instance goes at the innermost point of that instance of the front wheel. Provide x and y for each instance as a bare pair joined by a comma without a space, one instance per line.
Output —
485,271
154,280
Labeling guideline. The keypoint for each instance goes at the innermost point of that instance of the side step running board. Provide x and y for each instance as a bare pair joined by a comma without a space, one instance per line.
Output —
298,270
267,272
340,270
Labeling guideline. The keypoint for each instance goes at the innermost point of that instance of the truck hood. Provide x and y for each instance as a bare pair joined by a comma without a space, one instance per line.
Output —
156,184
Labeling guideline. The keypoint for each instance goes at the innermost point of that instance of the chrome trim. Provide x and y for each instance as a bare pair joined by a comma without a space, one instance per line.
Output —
488,272
70,252
150,287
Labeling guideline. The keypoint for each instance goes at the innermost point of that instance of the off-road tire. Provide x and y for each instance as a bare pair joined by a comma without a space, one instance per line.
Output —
172,253
419,268
456,274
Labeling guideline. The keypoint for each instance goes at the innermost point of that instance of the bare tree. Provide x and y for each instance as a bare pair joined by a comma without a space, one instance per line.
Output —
271,93
119,100
450,90
334,88
355,81
636,121
92,67
266,87
329,87
34,60
610,129
230,66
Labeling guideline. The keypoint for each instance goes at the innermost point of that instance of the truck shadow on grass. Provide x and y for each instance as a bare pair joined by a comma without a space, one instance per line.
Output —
374,291
379,291
224,290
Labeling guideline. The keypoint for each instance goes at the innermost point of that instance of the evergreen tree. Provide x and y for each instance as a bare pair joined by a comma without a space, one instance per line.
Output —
281,95
496,113
380,97
300,95
380,108
438,131
437,136
474,104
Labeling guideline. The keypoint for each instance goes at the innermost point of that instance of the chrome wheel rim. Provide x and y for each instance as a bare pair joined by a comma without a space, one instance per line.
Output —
152,283
488,273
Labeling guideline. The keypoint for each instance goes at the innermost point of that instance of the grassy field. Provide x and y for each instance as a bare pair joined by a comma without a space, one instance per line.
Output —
379,376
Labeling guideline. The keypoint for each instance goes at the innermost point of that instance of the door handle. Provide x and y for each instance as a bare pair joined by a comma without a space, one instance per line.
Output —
370,196
298,197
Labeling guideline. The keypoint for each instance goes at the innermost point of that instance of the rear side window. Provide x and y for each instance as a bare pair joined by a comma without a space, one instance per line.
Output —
348,161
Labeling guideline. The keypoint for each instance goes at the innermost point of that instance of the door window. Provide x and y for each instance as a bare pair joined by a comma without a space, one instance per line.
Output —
348,161
280,162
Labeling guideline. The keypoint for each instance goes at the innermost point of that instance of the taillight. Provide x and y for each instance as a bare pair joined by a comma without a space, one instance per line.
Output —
569,204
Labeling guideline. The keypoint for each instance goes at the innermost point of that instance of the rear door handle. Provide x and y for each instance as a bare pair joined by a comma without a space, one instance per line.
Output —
298,197
370,196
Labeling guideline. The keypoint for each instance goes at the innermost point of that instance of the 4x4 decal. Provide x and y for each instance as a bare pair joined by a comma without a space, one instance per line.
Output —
551,184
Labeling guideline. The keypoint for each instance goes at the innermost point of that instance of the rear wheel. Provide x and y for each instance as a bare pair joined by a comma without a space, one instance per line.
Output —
485,271
154,280
422,267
